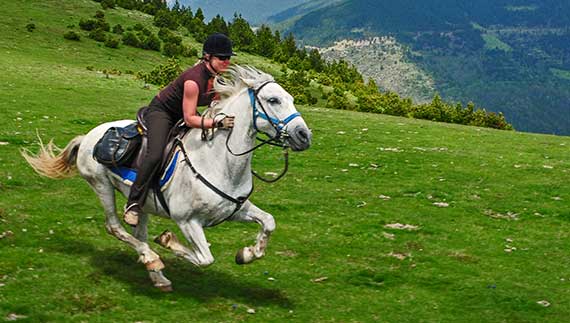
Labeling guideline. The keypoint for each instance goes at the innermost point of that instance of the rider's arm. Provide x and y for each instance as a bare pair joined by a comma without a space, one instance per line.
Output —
190,106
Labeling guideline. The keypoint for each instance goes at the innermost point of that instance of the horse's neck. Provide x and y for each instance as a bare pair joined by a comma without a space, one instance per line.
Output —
213,157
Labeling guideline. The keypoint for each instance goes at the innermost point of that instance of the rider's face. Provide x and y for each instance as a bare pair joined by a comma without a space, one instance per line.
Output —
220,63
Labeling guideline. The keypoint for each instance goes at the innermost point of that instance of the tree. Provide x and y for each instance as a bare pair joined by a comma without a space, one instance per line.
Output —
164,18
241,34
217,25
265,43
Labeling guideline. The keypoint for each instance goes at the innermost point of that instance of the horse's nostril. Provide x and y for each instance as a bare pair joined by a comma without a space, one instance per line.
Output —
303,135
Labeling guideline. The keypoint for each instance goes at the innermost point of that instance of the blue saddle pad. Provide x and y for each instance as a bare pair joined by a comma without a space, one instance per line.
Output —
129,175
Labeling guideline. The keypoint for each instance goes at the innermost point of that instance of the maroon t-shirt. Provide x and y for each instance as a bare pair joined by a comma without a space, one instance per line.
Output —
170,98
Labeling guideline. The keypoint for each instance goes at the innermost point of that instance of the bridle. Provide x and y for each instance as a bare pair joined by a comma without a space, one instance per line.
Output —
277,124
279,139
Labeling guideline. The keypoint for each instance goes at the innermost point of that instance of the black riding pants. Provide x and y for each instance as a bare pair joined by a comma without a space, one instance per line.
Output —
159,123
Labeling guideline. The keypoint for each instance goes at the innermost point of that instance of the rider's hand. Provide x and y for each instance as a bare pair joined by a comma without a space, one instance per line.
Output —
226,123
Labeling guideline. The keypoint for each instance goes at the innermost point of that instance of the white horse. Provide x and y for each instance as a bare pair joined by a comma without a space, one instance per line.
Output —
195,201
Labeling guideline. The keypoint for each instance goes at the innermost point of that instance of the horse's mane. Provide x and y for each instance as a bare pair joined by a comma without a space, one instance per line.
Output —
237,78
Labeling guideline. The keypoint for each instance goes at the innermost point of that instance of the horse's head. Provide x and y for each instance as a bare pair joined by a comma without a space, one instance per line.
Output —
273,111
275,115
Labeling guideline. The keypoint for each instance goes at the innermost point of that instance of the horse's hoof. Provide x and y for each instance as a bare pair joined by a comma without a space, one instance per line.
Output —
155,265
165,238
244,256
165,288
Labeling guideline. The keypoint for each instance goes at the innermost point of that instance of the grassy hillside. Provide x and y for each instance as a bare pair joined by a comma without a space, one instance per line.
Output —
490,209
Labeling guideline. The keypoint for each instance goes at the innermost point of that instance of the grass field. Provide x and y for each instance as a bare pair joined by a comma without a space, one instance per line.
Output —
490,209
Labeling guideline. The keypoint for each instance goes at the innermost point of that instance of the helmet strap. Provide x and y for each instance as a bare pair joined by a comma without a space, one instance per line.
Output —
209,62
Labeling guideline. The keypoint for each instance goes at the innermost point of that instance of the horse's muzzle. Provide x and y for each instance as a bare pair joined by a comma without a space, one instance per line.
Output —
299,138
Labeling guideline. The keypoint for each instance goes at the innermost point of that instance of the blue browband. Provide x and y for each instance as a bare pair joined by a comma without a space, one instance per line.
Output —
276,123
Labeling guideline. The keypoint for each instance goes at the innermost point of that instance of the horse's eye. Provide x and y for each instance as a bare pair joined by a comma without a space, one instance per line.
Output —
273,101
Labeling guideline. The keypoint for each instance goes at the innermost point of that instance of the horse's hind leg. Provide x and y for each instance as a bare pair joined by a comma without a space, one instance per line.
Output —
154,265
251,213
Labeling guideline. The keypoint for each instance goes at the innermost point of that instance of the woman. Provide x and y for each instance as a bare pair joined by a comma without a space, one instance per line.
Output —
178,100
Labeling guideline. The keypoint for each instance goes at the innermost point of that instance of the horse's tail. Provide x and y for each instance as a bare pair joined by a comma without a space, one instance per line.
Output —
52,161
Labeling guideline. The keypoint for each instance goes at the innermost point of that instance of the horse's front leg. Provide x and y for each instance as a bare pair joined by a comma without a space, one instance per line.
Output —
200,254
251,213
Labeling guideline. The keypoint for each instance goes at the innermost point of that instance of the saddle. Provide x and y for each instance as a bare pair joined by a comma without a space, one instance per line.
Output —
122,148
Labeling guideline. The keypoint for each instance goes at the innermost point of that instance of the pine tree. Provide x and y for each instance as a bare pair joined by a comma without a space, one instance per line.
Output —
241,34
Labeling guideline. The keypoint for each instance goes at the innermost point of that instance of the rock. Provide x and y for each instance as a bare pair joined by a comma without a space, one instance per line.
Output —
399,226
250,311
543,303
15,317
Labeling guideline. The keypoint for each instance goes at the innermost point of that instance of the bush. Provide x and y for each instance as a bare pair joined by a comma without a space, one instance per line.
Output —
31,27
131,39
88,25
112,42
101,24
168,36
99,15
190,52
71,35
151,43
172,50
98,35
118,29
162,74
128,4
139,26
108,4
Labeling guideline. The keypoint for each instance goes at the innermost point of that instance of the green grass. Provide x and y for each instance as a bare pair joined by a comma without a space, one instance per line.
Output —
61,265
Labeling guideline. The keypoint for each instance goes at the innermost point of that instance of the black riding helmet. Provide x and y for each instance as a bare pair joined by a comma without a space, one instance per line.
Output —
218,44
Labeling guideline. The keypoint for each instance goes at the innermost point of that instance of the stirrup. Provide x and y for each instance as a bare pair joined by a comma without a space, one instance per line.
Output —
131,215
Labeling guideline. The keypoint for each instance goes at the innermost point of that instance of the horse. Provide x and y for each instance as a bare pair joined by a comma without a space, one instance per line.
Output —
210,184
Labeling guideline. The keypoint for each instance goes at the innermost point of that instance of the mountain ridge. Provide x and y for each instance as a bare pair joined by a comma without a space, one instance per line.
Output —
509,56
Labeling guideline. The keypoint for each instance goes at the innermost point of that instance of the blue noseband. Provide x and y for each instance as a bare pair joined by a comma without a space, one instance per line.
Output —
278,124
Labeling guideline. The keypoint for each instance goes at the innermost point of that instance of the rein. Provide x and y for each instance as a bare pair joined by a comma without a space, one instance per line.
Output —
277,140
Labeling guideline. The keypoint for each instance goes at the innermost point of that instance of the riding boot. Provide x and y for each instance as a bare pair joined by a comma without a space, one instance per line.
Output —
132,213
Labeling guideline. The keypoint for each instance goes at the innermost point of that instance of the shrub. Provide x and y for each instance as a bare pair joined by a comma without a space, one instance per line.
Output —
127,4
131,39
172,50
108,4
162,74
101,24
71,35
99,15
112,42
151,43
190,52
88,25
31,27
118,29
98,35
138,26
168,36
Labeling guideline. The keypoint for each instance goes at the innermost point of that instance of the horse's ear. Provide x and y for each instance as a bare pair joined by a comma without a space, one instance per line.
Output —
248,82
